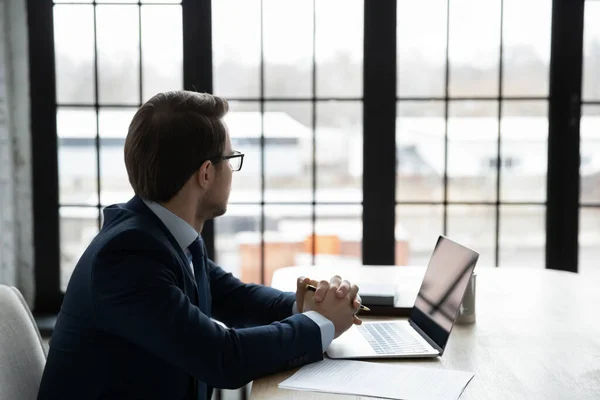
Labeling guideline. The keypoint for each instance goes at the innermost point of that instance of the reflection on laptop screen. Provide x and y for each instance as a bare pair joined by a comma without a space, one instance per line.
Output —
442,290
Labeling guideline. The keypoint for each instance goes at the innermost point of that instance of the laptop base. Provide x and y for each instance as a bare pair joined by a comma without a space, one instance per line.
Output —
355,344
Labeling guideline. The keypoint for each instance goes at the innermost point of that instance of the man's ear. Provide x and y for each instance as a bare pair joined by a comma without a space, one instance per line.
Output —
205,174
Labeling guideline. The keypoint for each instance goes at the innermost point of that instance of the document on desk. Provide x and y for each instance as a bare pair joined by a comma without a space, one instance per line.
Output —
390,381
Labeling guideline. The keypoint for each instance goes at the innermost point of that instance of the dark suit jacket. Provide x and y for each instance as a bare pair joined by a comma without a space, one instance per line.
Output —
130,328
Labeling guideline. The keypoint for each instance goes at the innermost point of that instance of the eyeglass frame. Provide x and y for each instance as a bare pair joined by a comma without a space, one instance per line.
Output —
236,154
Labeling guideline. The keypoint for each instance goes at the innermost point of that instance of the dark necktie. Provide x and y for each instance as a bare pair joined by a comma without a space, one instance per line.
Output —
200,261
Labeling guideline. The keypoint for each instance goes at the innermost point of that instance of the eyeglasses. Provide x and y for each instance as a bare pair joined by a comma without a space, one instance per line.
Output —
236,160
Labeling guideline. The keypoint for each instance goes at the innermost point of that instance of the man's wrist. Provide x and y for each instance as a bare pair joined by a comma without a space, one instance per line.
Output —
326,327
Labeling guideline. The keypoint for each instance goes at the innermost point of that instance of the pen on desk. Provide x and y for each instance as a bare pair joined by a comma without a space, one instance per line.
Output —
314,289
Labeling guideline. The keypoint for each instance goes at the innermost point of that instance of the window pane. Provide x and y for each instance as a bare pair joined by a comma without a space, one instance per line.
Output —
472,150
78,226
288,237
338,236
524,145
474,47
114,122
339,151
339,48
288,47
421,30
74,52
237,241
120,1
591,51
474,227
526,53
136,1
77,157
589,169
118,54
288,151
162,49
236,48
244,123
589,239
523,236
417,229
288,233
114,184
420,155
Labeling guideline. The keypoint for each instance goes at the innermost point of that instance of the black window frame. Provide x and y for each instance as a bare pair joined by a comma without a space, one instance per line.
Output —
379,118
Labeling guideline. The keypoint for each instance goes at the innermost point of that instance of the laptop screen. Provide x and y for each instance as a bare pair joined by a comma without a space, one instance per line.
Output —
443,288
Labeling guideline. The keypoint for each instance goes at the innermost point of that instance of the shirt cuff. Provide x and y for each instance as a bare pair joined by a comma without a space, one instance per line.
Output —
326,327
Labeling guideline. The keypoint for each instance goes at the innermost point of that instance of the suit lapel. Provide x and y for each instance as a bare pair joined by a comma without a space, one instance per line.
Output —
137,205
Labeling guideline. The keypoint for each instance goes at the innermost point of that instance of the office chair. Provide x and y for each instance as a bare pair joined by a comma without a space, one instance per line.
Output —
22,354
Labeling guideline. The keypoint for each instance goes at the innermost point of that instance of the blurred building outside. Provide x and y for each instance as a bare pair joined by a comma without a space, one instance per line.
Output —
288,157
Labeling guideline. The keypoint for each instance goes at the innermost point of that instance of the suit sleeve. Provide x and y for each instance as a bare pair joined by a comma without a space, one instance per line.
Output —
136,297
242,304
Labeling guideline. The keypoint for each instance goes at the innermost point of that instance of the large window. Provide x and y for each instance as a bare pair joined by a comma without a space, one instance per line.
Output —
471,128
474,103
110,58
295,89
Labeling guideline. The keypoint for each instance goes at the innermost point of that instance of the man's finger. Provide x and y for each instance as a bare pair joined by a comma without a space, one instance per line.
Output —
300,292
335,282
344,288
322,288
353,293
302,281
357,321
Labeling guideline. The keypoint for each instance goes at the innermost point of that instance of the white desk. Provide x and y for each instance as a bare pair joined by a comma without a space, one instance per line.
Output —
537,334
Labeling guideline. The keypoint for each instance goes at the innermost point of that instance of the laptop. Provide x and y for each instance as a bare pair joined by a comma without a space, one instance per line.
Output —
432,316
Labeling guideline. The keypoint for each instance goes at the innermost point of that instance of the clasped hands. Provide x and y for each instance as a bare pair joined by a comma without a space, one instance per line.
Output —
337,300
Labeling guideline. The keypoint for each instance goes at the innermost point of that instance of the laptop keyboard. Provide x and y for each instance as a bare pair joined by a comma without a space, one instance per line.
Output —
390,338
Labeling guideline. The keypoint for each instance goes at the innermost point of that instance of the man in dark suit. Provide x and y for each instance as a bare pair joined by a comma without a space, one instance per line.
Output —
137,317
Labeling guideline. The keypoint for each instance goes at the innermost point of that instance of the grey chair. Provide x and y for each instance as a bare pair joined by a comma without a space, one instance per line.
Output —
22,353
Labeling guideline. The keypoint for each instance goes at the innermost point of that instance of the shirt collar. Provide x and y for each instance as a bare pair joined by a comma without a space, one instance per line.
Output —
183,232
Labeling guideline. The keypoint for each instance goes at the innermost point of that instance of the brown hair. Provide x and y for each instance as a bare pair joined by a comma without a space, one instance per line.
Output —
169,138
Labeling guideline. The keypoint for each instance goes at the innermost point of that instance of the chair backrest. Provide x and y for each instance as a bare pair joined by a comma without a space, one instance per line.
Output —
22,354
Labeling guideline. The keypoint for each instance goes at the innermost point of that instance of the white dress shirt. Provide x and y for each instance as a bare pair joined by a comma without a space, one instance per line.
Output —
185,234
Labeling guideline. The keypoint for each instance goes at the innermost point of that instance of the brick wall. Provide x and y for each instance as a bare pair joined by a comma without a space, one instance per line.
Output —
16,234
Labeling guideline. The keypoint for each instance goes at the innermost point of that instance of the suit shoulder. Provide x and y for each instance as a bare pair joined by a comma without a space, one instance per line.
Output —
132,232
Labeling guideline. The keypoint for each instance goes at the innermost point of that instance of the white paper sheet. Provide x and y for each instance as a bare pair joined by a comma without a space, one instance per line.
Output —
372,379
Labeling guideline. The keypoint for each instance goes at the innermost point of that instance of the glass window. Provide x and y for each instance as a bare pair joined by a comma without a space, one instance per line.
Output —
589,238
417,230
471,127
589,169
139,53
74,53
522,236
524,151
421,42
78,226
295,89
591,51
526,47
474,47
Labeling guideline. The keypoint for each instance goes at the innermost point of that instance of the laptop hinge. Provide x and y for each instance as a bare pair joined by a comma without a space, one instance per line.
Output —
426,337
